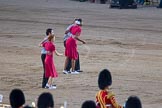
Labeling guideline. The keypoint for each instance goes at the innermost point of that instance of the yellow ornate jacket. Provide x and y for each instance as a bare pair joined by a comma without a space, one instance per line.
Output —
106,99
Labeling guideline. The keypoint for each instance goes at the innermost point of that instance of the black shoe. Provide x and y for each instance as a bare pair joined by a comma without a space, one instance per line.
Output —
79,71
53,84
43,86
46,87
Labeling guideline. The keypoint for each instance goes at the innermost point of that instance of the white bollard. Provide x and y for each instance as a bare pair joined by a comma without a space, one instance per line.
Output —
1,97
65,104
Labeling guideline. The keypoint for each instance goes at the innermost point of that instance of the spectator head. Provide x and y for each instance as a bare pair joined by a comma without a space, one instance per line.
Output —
89,104
17,98
133,102
104,79
45,100
49,31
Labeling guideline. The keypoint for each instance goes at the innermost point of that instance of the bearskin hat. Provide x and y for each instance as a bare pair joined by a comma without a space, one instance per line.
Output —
104,79
133,102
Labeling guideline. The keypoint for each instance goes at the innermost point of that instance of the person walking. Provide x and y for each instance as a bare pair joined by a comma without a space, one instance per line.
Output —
43,56
50,70
71,46
66,36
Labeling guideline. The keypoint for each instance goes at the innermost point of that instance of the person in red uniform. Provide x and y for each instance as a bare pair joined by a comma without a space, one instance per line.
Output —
71,46
50,70
106,98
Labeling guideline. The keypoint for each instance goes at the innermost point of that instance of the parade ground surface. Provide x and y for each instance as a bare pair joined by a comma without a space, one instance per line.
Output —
128,42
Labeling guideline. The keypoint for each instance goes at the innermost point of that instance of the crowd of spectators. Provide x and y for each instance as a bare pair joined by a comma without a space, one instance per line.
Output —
105,98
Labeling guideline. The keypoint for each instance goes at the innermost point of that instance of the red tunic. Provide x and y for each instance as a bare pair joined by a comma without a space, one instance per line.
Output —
71,43
50,70
105,99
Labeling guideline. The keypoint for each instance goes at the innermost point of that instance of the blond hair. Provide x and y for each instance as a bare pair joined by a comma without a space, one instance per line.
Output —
50,37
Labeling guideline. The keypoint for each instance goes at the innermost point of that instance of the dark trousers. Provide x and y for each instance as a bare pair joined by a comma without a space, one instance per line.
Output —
45,80
77,62
160,5
125,3
103,1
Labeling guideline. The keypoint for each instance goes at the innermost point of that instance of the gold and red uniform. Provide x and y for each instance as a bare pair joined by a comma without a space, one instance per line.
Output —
106,99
